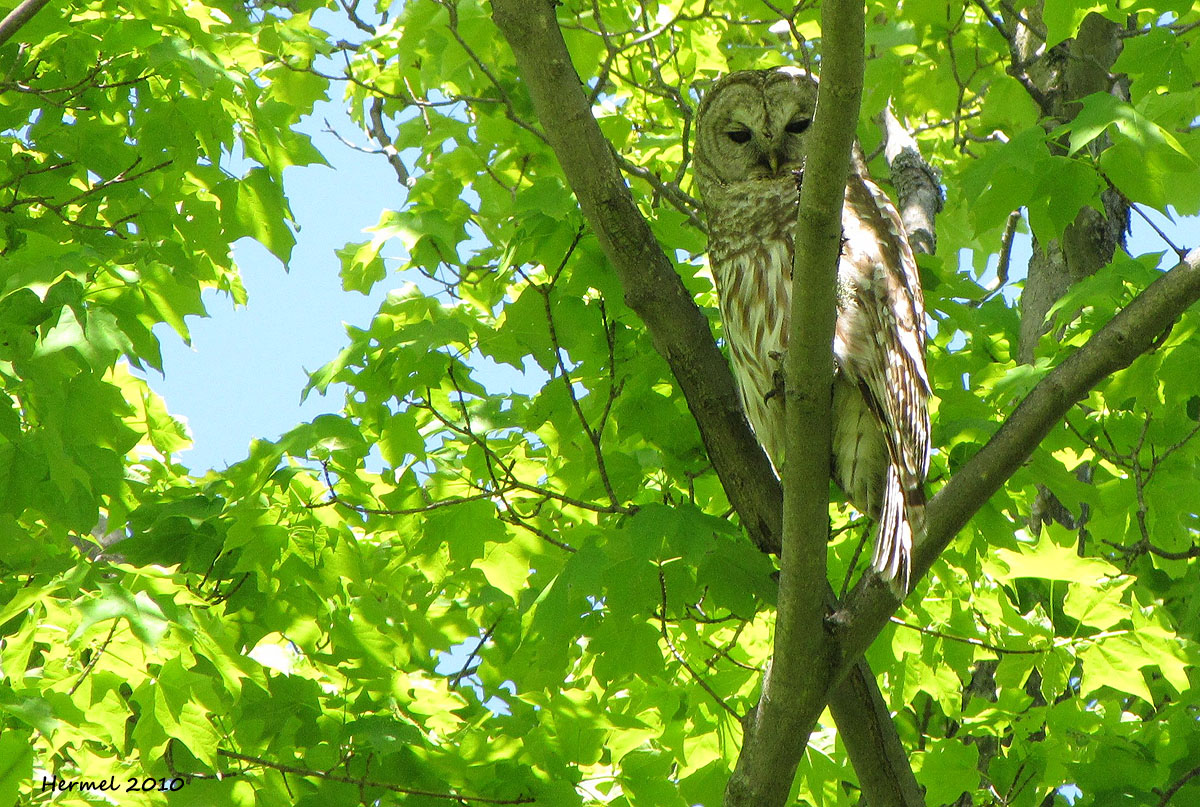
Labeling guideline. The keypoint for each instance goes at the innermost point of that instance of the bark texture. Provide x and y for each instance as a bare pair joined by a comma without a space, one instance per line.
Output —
1062,76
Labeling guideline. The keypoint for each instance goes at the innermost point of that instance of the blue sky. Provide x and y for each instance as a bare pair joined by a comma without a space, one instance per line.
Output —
242,376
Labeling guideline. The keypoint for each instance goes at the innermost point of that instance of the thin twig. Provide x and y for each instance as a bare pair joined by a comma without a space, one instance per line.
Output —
1000,651
995,20
1179,251
361,782
510,478
662,585
593,435
351,10
95,657
487,635
681,201
1169,793
379,132
510,109
1009,8
1002,268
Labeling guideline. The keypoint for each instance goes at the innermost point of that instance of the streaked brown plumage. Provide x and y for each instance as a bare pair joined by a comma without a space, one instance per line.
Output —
750,142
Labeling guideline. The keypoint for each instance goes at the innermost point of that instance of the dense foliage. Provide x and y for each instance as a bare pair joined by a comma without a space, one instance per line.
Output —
456,591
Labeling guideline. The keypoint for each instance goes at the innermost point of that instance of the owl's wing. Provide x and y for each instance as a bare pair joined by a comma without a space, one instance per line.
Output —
881,348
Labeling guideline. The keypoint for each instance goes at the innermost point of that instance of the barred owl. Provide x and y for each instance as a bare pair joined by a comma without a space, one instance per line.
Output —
750,149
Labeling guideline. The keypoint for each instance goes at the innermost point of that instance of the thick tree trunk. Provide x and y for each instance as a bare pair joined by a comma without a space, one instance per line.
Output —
1070,71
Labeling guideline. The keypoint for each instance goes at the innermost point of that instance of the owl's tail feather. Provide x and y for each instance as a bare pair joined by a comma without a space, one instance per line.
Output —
901,519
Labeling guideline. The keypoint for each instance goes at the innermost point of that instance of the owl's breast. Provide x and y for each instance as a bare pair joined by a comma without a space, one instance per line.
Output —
750,253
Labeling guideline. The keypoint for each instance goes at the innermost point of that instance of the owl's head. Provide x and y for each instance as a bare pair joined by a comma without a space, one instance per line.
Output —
752,125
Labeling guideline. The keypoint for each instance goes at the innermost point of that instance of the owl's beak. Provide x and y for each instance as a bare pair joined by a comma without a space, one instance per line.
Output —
772,160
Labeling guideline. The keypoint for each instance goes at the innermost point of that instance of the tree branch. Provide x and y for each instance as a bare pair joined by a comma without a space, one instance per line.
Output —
796,686
379,132
16,18
916,183
865,727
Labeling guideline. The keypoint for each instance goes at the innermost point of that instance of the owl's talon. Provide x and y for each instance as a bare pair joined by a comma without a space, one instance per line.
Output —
776,375
777,386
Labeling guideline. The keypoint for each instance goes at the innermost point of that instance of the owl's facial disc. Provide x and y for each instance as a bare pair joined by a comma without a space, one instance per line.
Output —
753,128
768,150
761,141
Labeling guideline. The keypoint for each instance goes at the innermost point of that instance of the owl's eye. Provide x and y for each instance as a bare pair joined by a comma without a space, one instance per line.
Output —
797,126
739,136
